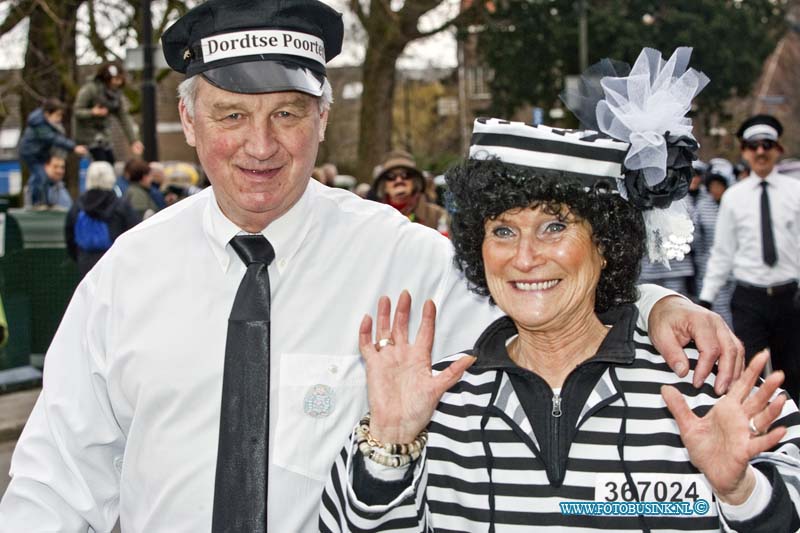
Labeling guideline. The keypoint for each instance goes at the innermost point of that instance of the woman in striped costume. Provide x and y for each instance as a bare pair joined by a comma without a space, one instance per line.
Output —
558,417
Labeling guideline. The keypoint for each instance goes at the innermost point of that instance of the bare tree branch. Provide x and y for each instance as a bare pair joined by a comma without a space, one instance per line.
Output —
387,8
133,24
455,21
46,9
16,14
355,5
172,6
95,39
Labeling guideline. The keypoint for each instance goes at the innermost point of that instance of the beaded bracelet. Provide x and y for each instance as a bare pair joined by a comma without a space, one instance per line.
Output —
392,455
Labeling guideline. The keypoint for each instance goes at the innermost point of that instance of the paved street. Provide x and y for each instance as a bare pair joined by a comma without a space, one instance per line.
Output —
15,408
5,460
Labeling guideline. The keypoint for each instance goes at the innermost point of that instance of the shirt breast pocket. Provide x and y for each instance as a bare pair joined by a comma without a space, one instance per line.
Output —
321,397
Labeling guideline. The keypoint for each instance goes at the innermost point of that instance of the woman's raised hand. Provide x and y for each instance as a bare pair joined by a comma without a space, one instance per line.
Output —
403,393
721,443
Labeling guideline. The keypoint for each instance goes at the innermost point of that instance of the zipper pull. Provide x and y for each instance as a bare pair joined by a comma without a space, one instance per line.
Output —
556,405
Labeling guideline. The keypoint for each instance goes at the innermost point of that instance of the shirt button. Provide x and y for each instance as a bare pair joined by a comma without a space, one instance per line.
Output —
282,263
333,369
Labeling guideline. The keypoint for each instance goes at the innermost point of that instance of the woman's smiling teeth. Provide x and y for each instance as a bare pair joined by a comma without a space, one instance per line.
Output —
537,285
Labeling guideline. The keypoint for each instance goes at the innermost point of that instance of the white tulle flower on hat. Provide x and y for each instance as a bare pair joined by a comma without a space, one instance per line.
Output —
650,102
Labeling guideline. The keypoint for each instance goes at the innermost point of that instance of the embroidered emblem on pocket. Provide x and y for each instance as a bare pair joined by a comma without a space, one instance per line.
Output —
320,401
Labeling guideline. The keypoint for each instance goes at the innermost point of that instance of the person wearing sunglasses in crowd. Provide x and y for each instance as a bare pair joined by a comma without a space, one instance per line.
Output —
757,239
399,183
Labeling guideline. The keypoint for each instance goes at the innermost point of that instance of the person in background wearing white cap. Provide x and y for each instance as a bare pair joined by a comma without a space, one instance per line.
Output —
100,202
97,101
757,239
718,177
696,189
134,421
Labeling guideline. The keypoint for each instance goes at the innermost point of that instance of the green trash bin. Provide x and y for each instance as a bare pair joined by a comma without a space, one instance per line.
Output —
37,280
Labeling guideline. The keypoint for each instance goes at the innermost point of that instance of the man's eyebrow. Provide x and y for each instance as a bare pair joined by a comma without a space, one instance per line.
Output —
227,106
298,100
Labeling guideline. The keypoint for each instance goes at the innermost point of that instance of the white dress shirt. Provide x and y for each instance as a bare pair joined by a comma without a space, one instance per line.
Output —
127,422
737,238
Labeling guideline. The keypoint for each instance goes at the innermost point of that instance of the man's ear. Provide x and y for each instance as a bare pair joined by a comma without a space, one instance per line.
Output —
187,121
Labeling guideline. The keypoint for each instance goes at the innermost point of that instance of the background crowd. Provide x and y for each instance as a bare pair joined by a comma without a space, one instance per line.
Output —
119,194
141,188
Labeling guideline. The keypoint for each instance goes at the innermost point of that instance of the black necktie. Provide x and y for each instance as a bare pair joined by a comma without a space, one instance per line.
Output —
767,239
240,488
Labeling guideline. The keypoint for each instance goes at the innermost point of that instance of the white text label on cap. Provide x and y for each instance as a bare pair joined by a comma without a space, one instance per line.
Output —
255,42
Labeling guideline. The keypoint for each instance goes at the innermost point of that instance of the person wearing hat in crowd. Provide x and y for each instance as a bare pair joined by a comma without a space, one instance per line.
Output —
100,202
758,242
212,393
696,189
97,101
180,181
400,184
718,177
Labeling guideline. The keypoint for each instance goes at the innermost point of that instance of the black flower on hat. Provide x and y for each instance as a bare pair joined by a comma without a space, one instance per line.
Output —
681,151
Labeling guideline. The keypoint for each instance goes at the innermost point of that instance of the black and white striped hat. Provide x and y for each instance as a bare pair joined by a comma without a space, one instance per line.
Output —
595,159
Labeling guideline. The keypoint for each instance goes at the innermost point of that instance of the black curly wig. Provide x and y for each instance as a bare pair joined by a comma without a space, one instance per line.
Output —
479,190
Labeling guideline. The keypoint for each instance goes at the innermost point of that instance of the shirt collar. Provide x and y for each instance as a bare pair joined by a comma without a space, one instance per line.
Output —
758,179
286,234
617,347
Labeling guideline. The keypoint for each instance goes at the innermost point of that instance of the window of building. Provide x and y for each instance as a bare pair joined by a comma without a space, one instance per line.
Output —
478,79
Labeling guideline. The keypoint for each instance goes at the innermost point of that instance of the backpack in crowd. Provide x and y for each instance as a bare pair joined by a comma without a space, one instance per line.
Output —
91,234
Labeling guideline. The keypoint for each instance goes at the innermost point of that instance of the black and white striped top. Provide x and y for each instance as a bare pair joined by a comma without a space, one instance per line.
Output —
705,221
483,468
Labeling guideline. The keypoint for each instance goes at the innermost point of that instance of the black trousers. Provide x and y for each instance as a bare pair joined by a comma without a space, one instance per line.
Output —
763,320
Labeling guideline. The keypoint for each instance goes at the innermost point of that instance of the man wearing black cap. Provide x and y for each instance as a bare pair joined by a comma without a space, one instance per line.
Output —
214,393
757,238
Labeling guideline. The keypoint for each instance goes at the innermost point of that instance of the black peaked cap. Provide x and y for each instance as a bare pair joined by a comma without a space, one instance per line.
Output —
181,42
769,120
